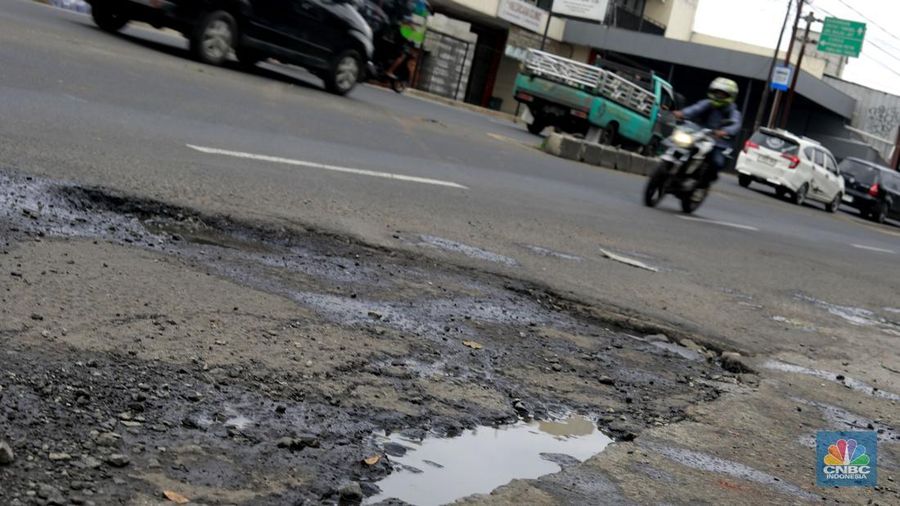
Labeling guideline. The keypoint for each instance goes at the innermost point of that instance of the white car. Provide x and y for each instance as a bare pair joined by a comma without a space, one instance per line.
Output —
796,166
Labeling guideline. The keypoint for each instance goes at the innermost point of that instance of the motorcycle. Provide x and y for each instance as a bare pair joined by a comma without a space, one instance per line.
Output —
681,167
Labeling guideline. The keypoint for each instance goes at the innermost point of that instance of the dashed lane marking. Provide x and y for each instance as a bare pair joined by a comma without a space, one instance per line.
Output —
722,223
322,166
873,248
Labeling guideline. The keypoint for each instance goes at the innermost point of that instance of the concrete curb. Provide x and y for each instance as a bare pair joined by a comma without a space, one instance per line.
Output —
422,95
609,157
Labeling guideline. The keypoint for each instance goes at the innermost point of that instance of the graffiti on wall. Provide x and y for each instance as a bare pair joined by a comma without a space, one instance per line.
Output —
882,121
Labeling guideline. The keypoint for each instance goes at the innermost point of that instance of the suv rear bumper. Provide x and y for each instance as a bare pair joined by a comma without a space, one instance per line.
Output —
773,179
861,201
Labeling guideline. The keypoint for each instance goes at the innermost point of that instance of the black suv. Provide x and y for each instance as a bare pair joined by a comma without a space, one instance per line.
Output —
328,37
871,188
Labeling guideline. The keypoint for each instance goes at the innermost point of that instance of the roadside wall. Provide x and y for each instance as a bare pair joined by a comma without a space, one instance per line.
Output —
876,112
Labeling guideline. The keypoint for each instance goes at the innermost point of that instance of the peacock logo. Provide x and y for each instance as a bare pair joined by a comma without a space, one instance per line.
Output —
846,452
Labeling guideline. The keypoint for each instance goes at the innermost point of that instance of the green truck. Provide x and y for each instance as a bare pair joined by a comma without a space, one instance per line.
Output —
601,103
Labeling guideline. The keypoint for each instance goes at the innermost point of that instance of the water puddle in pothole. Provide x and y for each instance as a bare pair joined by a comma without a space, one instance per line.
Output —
848,382
440,470
465,249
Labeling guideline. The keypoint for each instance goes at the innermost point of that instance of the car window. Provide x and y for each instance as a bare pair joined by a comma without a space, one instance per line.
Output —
666,102
820,158
830,164
863,173
775,142
891,181
810,154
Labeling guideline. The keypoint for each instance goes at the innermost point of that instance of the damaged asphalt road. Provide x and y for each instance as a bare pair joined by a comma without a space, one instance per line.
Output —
148,347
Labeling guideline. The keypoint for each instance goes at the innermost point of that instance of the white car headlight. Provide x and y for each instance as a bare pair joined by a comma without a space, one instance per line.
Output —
682,139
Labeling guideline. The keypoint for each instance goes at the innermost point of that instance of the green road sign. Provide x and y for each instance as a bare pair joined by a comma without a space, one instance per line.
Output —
842,36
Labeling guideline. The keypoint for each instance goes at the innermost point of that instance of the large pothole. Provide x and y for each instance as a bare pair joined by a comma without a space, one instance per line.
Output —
447,349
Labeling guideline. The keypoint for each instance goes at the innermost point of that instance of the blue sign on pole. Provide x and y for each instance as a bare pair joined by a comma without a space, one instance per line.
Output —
781,77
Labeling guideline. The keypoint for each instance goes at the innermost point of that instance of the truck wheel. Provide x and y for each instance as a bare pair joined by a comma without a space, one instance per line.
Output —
744,181
610,134
214,37
108,16
537,125
344,73
652,147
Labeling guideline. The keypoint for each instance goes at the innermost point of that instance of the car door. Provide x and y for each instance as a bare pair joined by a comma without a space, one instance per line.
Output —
815,167
282,24
324,27
833,181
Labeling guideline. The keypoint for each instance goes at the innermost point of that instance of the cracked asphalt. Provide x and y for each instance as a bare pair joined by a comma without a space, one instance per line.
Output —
151,294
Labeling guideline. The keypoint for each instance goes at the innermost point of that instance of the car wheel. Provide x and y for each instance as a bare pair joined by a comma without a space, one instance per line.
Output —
799,196
214,38
744,181
833,206
879,215
108,16
344,73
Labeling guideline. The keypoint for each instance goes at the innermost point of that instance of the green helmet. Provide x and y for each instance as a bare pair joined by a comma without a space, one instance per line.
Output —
722,91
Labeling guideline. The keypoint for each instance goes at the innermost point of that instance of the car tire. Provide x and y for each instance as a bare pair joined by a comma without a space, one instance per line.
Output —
344,73
834,205
879,215
799,196
214,37
108,16
744,181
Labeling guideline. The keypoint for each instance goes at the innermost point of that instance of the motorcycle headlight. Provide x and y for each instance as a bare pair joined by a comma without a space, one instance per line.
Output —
682,139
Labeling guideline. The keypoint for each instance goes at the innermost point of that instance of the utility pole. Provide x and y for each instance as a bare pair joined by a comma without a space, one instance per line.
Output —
763,101
547,26
810,19
787,61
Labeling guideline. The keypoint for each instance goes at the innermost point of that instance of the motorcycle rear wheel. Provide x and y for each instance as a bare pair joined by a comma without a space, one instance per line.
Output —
690,203
656,185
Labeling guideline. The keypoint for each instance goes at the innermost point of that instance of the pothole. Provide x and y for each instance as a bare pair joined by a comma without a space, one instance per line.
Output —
435,471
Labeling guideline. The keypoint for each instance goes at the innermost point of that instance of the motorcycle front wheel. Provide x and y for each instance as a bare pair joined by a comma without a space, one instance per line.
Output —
656,185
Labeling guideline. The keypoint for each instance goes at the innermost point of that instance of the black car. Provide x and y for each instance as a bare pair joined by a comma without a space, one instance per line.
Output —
872,189
328,37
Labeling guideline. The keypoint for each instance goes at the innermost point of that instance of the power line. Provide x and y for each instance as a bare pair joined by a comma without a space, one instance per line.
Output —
875,23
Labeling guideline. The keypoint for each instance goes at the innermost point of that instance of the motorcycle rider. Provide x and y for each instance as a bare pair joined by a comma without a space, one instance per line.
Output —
717,112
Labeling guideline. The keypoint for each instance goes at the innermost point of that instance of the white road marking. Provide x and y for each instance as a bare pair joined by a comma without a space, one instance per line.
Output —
333,168
627,261
722,223
873,248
